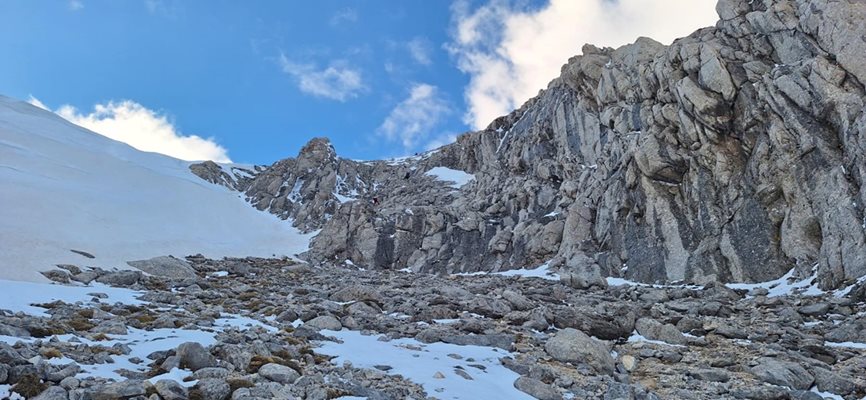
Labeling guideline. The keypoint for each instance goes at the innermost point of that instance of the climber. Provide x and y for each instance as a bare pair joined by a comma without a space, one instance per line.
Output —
406,176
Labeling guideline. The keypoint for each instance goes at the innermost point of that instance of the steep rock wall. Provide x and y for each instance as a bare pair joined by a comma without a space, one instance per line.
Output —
735,154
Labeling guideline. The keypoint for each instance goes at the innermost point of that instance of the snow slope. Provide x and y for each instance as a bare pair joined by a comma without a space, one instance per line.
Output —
63,187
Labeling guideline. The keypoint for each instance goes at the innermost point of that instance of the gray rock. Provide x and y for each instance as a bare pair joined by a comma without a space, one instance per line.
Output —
211,373
536,388
165,266
710,374
829,381
278,373
194,356
783,373
170,390
85,277
324,322
213,389
120,278
118,390
9,330
70,383
52,393
56,275
654,330
572,345
111,327
815,309
582,272
356,293
518,301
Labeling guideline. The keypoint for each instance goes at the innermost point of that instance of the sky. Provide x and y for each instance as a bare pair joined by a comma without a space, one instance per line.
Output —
253,81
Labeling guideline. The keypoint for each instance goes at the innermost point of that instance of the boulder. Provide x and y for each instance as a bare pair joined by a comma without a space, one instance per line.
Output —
165,266
572,345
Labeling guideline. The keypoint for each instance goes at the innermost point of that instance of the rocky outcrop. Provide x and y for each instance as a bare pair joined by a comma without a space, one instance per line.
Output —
734,154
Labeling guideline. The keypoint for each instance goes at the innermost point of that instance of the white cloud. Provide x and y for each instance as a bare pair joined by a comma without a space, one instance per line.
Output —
419,49
34,101
75,5
337,82
147,130
344,16
412,120
511,53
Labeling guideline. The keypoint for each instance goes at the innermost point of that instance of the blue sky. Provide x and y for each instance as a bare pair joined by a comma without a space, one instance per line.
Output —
261,78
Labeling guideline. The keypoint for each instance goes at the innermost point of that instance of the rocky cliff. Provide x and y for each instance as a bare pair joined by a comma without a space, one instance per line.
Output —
734,154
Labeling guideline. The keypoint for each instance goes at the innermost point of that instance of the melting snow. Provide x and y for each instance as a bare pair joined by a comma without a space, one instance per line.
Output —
457,178
853,345
423,363
7,393
18,296
785,285
636,337
543,271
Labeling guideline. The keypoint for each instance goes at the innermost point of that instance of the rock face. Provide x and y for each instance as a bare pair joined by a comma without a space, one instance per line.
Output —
733,154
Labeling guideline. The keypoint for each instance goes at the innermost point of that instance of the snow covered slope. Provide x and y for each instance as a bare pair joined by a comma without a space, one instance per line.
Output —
63,187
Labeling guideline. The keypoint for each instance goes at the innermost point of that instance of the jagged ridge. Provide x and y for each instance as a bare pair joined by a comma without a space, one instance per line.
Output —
734,154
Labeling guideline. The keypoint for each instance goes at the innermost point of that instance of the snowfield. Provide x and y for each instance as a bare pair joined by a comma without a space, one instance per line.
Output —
66,188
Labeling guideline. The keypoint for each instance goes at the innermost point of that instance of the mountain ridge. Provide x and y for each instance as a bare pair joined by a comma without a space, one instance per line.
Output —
734,154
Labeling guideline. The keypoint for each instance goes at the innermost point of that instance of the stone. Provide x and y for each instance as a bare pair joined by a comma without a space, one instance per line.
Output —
581,272
170,390
120,278
710,375
52,393
70,383
536,389
278,373
194,356
56,275
210,373
8,330
212,389
654,330
832,382
574,346
815,309
783,373
324,322
165,266
118,390
628,362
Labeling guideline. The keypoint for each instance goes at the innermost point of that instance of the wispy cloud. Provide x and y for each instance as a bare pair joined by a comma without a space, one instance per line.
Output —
338,81
510,53
165,8
344,16
147,130
75,5
412,120
419,49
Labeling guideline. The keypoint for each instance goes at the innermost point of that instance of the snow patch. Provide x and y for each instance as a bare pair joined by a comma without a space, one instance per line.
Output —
853,345
429,365
457,178
18,296
785,285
